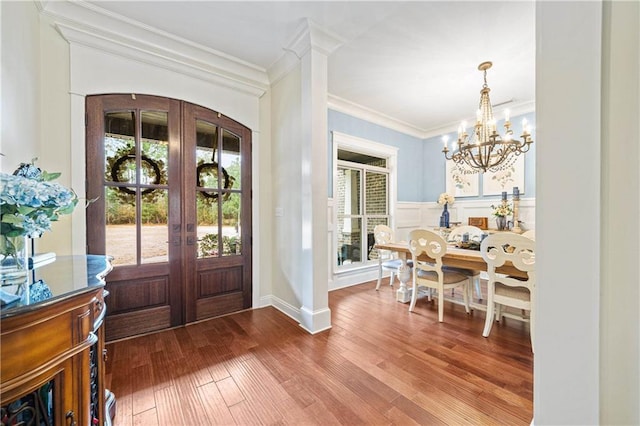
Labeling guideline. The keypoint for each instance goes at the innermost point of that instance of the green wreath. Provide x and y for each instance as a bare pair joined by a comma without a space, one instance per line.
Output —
212,167
116,170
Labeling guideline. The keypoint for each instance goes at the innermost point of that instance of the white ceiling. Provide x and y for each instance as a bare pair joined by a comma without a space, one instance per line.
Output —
415,62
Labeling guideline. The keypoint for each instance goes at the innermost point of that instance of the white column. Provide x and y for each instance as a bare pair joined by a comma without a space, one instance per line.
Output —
313,46
620,293
568,89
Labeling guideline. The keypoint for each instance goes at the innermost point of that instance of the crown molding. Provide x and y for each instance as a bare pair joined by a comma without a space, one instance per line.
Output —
342,105
368,114
308,35
89,25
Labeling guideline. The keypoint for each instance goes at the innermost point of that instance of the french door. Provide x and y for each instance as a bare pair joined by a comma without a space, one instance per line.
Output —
172,184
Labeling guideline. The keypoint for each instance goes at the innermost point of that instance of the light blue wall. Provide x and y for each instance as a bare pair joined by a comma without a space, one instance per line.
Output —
421,164
410,151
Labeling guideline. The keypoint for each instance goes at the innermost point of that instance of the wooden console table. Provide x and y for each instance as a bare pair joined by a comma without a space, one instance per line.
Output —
52,347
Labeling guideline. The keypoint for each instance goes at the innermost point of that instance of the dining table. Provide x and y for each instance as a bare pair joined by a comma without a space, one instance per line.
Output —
454,257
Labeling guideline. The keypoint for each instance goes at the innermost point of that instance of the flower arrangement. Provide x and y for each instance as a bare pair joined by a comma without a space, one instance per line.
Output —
29,202
502,210
445,198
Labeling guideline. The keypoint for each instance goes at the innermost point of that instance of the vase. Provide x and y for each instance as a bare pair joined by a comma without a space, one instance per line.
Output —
14,266
501,223
444,218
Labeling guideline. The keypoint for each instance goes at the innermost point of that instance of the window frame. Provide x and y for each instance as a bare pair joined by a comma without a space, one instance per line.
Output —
363,146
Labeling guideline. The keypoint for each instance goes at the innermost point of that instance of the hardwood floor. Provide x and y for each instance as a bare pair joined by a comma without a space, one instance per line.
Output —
378,365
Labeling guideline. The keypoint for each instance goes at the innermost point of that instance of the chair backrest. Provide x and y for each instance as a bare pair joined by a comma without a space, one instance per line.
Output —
530,234
502,247
382,235
429,243
475,233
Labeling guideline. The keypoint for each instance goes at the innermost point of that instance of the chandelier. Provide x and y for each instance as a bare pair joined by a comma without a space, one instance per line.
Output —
488,151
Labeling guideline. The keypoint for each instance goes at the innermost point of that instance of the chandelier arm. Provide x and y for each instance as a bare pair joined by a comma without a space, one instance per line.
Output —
502,155
477,161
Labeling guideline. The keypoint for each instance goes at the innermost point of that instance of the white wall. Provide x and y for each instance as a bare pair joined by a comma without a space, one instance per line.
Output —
20,119
568,88
620,254
263,218
56,151
286,198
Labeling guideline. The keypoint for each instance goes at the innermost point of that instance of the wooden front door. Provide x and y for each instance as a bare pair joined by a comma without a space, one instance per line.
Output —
172,183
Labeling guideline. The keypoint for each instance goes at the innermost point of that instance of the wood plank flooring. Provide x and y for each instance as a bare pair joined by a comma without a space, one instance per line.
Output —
378,365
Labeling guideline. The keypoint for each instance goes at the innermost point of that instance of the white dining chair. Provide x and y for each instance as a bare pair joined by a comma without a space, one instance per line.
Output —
433,275
504,290
475,234
387,260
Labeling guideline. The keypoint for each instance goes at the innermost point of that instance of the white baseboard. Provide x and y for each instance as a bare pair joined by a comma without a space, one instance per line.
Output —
315,321
312,321
284,307
350,278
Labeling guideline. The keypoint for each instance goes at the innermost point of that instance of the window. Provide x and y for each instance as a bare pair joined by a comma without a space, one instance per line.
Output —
363,179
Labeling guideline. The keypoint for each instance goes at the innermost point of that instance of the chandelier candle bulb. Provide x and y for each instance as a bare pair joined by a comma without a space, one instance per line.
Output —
506,116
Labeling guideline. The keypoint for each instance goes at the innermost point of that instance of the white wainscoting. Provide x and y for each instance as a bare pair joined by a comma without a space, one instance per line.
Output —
411,216
461,211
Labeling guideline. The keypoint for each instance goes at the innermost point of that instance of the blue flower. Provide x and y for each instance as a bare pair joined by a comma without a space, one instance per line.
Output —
29,201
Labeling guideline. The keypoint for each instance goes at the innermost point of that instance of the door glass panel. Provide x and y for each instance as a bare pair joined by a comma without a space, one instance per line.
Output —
349,241
155,148
154,230
121,227
208,244
376,192
206,148
119,147
208,193
231,224
231,160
